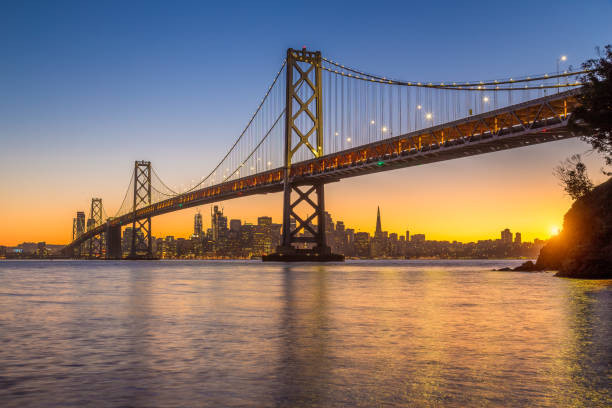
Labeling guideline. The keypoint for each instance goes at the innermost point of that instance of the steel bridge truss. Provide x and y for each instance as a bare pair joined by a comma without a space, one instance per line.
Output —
303,130
96,243
141,245
533,122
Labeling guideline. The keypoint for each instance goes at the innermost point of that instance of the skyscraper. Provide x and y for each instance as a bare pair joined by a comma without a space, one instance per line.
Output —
517,238
218,224
506,236
197,225
80,223
379,241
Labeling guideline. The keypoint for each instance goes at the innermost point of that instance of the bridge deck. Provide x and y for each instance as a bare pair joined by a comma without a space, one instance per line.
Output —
536,121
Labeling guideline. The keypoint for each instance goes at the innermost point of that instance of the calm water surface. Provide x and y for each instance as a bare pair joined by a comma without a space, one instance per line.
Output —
359,334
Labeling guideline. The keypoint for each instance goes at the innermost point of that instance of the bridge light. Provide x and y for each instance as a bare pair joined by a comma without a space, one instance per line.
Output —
348,139
419,106
486,99
564,58
428,116
384,129
336,133
372,122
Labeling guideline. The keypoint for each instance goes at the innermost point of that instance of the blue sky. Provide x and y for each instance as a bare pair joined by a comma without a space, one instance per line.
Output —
88,87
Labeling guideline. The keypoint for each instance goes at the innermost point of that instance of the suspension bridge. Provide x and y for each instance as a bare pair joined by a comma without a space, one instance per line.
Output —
321,121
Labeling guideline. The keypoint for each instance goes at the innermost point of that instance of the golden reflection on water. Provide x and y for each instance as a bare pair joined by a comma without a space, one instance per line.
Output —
357,334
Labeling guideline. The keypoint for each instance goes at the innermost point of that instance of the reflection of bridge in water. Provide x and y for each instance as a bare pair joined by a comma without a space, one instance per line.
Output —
320,122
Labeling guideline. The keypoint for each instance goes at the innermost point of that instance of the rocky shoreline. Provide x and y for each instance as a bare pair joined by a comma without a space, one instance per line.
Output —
584,247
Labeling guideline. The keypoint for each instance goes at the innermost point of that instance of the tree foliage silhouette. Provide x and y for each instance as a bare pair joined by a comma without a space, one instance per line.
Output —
573,176
592,120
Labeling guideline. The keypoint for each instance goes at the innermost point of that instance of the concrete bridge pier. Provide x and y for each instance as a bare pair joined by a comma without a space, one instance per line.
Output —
113,242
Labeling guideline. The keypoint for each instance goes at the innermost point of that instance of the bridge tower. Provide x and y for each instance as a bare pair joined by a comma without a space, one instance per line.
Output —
140,247
303,131
96,243
74,252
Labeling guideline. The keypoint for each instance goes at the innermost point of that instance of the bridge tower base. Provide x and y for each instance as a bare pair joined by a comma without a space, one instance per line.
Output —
314,235
113,242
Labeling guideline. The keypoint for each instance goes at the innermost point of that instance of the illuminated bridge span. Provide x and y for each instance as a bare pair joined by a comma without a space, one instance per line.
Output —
320,122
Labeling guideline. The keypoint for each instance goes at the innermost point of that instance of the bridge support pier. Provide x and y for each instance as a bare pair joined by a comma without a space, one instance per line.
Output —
113,242
303,132
313,235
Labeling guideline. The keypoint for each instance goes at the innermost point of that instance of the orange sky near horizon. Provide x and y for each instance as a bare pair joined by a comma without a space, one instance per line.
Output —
464,199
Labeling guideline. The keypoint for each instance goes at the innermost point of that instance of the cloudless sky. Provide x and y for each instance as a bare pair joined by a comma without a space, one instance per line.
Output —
88,87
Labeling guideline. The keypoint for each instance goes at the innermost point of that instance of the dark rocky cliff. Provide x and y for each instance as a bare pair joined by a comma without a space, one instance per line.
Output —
584,247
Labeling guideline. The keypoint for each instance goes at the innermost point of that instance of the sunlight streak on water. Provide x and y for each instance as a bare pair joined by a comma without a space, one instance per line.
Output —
397,333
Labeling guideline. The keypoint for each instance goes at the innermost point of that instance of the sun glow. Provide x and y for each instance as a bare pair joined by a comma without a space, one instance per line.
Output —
554,230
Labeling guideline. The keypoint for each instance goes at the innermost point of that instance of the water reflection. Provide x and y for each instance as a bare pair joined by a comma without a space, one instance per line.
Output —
304,366
586,362
354,335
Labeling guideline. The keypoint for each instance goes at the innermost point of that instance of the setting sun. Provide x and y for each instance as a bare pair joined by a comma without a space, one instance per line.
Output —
554,230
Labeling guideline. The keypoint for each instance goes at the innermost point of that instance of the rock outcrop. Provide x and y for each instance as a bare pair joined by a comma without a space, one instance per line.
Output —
584,247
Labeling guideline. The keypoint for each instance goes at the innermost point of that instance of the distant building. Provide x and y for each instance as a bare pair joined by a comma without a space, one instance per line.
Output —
517,238
235,225
197,225
417,238
218,224
506,236
378,246
329,223
362,244
247,231
80,223
264,220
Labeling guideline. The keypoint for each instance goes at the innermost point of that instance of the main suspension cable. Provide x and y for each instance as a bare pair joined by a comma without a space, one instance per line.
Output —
243,132
453,85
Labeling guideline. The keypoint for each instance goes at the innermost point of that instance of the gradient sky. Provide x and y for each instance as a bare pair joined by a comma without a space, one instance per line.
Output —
88,87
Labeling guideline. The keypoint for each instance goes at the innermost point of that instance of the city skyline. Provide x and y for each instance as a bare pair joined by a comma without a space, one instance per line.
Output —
84,110
231,238
198,224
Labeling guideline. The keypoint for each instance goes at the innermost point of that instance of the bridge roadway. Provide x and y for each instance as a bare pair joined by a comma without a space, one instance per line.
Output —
536,121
